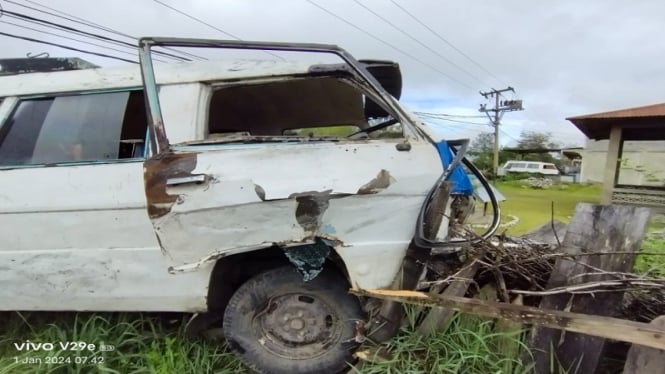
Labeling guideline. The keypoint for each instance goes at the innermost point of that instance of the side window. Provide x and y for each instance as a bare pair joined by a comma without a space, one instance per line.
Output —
533,166
313,106
93,127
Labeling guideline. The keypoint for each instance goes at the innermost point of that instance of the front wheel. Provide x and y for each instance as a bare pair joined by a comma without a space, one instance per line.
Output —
278,323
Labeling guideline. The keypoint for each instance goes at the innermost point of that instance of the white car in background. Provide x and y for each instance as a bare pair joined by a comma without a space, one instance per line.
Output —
534,167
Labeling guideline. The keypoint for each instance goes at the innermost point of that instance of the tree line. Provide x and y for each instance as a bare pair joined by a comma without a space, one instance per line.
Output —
481,149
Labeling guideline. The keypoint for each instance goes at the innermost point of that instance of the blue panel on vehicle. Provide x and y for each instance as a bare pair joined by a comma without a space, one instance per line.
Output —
461,183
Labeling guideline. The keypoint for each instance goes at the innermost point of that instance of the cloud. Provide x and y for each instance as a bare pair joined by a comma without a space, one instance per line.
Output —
564,58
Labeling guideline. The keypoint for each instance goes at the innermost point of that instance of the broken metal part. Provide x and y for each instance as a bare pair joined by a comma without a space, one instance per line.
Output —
308,259
310,209
382,181
311,206
260,192
403,147
10,66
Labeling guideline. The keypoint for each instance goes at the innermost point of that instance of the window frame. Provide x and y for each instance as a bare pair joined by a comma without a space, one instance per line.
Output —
407,128
12,103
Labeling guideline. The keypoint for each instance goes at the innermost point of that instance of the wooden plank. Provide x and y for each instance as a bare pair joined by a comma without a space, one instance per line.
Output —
605,327
644,360
508,342
439,318
594,228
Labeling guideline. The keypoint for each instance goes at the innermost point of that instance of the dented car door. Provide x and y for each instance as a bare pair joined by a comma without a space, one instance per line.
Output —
235,191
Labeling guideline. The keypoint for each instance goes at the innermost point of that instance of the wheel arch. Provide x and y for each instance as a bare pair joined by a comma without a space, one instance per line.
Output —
229,273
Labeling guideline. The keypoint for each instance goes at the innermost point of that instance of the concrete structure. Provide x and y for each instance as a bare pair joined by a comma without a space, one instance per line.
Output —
642,162
631,141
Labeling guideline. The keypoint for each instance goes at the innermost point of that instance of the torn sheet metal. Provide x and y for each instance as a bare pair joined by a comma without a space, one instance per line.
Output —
381,182
258,195
309,259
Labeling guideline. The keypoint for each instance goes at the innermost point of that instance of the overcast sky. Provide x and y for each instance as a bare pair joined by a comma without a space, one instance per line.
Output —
563,58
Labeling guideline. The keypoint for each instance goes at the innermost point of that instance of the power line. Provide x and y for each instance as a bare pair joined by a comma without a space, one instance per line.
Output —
456,121
452,127
419,42
450,115
197,20
388,44
65,47
185,14
80,32
508,135
73,39
72,18
448,43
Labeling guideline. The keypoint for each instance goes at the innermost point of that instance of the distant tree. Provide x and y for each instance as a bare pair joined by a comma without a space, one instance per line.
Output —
481,151
483,143
537,140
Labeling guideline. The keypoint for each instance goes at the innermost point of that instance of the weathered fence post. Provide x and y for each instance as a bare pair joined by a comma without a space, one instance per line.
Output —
593,228
645,360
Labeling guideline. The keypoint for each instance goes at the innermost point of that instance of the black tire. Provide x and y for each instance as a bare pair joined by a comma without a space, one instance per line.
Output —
316,330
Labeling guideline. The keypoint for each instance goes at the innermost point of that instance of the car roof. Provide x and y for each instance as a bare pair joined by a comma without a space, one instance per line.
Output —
129,76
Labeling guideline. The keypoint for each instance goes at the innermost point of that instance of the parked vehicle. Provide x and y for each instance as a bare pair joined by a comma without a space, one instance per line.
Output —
222,198
534,167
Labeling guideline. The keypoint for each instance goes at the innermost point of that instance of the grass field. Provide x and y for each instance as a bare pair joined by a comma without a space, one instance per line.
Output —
534,206
153,344
149,343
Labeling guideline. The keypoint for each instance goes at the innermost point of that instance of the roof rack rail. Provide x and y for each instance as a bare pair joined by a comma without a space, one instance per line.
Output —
13,66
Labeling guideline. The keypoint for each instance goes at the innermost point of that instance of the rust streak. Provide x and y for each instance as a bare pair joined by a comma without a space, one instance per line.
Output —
156,171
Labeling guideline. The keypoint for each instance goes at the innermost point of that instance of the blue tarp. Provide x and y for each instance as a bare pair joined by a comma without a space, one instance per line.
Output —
461,183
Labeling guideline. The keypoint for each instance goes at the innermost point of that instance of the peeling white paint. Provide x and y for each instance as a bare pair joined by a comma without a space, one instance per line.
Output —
81,233
227,213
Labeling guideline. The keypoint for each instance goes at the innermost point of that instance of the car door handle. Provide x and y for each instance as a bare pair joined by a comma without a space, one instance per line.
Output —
192,179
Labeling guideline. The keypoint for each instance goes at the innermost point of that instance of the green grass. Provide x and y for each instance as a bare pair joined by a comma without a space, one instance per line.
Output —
534,206
468,345
653,265
148,343
143,344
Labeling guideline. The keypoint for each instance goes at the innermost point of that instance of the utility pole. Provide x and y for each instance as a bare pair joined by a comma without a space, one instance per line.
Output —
495,114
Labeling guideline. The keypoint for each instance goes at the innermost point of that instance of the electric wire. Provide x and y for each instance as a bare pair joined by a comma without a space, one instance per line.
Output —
66,47
454,120
196,19
72,39
59,27
450,115
42,22
434,51
72,18
449,43
388,44
508,135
